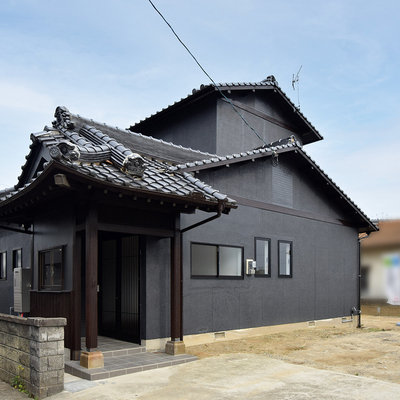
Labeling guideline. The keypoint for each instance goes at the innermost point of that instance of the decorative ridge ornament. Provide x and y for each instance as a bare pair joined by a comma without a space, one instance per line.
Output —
134,165
63,118
65,149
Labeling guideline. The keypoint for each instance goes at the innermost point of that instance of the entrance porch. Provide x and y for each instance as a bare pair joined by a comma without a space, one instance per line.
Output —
122,358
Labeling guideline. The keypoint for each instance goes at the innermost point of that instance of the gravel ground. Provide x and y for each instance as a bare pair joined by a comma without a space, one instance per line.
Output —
372,351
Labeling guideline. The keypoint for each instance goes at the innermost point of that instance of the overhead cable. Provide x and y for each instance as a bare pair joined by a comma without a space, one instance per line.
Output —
205,72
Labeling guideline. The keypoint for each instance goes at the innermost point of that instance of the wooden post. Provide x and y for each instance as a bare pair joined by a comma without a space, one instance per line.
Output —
91,279
75,307
176,345
91,358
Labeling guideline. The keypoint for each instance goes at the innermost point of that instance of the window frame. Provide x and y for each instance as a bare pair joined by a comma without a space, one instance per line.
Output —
217,276
291,259
268,240
3,266
42,286
17,258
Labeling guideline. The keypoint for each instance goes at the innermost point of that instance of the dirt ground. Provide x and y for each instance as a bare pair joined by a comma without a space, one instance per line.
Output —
371,351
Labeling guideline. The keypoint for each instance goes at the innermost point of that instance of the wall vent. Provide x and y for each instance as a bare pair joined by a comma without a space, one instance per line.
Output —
219,335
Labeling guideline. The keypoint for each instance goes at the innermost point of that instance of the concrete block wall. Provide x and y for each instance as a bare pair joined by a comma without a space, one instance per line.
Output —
36,344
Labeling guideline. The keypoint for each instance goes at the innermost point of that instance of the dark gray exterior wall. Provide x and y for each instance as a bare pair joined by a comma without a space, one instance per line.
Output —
155,320
195,128
53,230
325,257
215,127
234,136
10,241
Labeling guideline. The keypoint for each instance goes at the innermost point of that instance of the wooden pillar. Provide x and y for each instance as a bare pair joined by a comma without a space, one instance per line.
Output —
91,279
176,345
75,308
91,358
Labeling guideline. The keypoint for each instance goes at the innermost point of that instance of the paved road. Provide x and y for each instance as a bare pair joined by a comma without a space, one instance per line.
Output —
237,376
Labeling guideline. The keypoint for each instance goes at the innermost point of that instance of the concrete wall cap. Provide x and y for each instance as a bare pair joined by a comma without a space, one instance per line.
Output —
33,321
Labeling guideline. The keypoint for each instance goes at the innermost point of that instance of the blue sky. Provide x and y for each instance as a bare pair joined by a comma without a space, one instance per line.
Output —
117,62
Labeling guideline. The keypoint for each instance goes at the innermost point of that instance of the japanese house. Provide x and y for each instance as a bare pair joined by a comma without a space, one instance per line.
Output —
135,235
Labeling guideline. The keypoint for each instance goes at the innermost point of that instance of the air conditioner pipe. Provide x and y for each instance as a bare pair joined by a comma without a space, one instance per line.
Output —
354,311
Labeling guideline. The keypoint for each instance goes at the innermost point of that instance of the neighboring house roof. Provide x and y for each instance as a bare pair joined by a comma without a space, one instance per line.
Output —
89,151
388,236
314,171
309,131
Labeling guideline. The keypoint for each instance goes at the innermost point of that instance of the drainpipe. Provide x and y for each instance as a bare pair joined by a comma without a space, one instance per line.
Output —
359,283
221,207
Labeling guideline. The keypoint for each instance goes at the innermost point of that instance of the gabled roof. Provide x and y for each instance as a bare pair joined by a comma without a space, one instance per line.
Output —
145,145
313,170
309,132
88,151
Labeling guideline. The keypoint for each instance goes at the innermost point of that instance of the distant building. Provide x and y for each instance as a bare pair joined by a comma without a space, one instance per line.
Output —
380,270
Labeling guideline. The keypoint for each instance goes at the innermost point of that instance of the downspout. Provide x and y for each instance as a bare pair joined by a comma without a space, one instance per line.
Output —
221,207
359,284
359,280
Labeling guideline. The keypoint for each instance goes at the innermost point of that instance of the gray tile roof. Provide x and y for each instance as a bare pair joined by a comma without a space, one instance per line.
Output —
279,146
274,149
143,144
93,153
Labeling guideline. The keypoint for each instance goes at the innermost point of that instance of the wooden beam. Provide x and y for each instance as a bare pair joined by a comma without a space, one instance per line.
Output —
91,278
135,230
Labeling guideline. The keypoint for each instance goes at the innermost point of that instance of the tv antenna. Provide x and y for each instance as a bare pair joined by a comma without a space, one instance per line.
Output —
295,82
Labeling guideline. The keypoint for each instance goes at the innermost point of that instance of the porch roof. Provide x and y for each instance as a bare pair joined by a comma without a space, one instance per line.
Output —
84,150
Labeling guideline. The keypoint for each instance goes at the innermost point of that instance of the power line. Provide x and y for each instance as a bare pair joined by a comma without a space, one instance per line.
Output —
205,72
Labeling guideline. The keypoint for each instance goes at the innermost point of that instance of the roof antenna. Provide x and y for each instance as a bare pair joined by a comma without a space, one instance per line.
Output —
295,82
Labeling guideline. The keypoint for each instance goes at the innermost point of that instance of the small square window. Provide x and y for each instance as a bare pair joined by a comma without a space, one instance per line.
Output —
3,266
284,259
50,269
262,256
17,258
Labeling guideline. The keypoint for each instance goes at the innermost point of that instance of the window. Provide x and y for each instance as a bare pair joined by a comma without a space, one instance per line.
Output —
17,258
262,256
3,266
284,259
50,269
216,261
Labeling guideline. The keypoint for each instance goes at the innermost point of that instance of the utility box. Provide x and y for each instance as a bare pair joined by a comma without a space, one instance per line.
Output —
22,286
250,267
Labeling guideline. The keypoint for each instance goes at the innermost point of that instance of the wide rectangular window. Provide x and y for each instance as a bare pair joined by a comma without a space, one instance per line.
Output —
262,256
17,258
50,269
3,266
285,259
216,261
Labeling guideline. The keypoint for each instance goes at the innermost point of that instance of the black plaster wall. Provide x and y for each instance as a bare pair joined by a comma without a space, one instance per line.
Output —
213,126
156,288
325,256
10,241
53,230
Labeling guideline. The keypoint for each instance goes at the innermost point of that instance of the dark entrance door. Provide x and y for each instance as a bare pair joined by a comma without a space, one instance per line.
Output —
119,286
